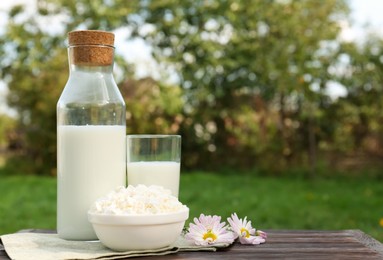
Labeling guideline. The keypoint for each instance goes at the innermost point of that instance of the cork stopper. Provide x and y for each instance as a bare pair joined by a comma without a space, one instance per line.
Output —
91,47
90,37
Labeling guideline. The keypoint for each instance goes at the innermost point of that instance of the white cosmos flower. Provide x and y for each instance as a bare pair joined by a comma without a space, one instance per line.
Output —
209,230
245,232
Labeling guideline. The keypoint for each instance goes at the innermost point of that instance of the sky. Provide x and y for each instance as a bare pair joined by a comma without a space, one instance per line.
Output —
368,11
363,12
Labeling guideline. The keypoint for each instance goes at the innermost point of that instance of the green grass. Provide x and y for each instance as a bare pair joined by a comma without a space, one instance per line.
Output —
27,202
270,202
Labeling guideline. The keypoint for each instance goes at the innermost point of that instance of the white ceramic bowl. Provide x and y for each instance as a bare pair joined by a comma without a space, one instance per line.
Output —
138,232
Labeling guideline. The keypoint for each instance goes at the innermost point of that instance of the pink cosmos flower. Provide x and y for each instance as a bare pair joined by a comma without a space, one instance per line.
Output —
209,230
245,232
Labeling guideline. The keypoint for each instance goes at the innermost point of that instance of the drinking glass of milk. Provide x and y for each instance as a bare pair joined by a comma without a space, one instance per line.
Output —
154,160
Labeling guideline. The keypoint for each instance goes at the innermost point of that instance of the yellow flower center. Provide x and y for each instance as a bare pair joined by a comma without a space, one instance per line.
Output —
209,236
245,232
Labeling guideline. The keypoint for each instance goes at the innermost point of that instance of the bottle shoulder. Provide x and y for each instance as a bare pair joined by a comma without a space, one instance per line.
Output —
94,87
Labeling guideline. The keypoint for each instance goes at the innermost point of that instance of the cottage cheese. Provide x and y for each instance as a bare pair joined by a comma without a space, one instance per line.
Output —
137,200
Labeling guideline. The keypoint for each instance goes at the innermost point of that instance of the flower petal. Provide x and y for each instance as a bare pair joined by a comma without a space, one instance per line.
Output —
261,233
208,230
253,240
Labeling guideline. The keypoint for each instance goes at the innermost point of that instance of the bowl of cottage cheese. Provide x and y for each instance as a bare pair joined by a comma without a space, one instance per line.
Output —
138,218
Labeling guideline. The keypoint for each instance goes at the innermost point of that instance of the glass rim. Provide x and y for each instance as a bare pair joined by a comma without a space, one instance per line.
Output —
147,136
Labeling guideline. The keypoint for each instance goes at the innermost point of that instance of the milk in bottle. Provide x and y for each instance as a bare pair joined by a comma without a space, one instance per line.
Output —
91,157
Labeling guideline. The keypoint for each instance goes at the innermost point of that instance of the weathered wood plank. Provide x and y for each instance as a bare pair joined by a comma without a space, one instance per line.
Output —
367,240
291,244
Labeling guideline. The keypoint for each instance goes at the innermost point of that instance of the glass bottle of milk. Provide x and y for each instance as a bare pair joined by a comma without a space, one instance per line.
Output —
91,133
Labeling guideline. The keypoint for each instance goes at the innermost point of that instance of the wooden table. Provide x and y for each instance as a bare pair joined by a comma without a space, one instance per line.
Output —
290,244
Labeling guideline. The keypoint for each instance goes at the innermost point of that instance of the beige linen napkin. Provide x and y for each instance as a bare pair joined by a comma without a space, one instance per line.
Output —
50,246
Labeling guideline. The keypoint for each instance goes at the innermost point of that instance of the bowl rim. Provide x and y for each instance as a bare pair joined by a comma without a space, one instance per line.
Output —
138,219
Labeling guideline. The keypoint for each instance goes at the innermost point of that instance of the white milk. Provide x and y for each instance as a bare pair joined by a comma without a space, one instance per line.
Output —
91,163
165,174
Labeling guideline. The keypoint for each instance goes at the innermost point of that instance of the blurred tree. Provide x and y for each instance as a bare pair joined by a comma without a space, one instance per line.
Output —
35,67
361,128
251,77
7,124
271,56
152,107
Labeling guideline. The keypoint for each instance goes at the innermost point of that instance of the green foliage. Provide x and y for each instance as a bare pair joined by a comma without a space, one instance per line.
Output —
152,107
7,124
34,70
362,109
246,70
252,79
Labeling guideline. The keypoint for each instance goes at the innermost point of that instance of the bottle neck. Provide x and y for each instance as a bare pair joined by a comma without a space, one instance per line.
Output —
91,95
90,69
